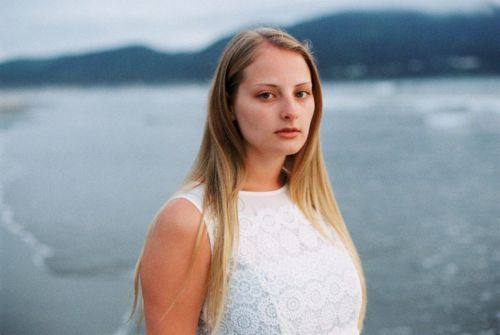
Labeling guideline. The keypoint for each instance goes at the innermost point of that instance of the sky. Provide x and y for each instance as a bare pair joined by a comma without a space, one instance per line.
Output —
46,28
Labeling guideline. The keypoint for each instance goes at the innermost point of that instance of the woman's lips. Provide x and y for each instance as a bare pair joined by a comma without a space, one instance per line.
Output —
288,132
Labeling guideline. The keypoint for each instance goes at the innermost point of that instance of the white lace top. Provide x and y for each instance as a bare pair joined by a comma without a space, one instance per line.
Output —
287,278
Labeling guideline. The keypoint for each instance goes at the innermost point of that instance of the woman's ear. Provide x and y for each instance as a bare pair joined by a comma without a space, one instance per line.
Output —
231,112
231,109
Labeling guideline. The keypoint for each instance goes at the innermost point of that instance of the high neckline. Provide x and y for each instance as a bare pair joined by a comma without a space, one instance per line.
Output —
265,193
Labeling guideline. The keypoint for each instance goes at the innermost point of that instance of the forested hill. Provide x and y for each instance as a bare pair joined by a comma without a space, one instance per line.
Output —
347,45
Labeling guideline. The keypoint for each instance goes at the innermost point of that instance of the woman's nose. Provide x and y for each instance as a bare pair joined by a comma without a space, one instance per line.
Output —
289,109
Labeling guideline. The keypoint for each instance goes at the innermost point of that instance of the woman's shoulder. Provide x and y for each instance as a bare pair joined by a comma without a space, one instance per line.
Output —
192,192
176,222
181,215
179,218
165,262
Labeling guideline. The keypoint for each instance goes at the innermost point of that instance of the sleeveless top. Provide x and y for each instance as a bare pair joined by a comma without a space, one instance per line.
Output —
285,278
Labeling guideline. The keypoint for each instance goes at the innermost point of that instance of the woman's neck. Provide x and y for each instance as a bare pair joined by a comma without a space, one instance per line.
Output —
264,175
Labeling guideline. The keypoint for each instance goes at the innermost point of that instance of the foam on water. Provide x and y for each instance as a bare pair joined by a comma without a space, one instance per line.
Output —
448,277
78,268
484,116
385,88
447,120
440,110
12,104
41,251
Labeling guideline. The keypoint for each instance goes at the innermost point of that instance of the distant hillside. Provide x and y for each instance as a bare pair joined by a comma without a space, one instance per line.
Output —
347,45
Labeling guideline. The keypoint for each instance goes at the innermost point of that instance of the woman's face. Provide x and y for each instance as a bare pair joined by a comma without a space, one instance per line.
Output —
274,104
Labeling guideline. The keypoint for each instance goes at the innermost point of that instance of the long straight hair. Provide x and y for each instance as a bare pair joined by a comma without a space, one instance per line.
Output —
220,167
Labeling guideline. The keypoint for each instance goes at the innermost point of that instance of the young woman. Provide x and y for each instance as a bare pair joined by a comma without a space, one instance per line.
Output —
254,242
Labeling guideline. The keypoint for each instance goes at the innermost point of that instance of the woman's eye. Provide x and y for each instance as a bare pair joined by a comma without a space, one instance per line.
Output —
302,94
265,95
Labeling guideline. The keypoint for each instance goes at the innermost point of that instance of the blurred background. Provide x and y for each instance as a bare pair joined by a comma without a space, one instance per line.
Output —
102,106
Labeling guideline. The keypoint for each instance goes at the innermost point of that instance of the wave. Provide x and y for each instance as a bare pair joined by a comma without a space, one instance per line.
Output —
447,120
81,268
442,110
13,104
41,251
470,115
45,257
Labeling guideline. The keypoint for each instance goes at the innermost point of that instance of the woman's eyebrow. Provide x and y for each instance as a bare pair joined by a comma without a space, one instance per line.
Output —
274,85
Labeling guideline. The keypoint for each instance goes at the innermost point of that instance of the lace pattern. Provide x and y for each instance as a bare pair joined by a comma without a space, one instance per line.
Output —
287,278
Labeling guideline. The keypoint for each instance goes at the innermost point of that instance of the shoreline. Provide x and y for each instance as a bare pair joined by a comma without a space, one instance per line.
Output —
56,305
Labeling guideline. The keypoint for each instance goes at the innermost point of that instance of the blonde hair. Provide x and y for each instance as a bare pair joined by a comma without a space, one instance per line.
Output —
220,166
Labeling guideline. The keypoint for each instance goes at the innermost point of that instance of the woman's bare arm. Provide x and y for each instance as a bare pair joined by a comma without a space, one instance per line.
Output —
165,262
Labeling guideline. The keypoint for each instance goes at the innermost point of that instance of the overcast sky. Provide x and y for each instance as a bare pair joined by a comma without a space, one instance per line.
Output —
50,27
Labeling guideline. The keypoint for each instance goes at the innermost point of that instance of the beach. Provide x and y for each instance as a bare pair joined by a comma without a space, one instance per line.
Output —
413,163
36,302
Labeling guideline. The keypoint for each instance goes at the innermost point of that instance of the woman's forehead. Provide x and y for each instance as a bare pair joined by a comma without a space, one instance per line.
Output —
272,65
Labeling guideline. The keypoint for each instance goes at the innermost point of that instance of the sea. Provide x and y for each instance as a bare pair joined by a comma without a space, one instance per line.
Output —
414,164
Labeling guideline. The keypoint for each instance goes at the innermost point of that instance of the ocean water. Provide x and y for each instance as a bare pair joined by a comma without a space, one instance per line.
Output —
414,166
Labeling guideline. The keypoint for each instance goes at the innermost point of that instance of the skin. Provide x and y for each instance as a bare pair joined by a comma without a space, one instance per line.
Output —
167,253
275,93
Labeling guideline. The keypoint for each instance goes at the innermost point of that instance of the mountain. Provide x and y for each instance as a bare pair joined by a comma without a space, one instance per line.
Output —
347,45
404,43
